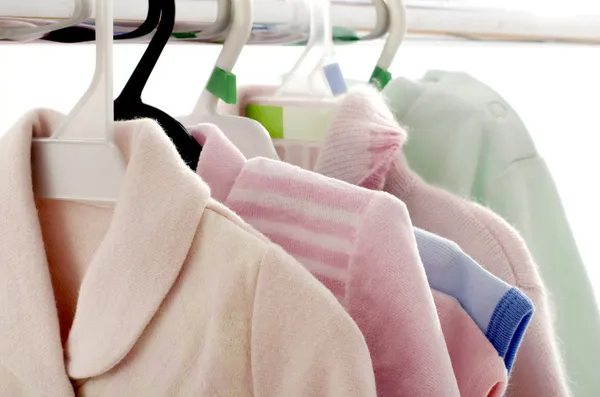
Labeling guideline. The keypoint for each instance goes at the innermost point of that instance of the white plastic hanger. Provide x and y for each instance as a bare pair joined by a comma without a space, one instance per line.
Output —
221,23
382,23
292,32
80,160
397,31
249,136
82,11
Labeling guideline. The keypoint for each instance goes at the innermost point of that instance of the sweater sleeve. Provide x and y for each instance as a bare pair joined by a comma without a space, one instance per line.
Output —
303,341
479,370
526,196
538,370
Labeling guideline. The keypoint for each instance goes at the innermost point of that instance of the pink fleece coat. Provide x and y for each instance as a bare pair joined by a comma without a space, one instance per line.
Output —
166,293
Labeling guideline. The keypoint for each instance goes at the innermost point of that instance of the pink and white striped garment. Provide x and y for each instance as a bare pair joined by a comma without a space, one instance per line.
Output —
360,244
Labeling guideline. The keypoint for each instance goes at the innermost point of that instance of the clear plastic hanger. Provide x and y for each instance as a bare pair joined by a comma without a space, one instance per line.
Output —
302,106
250,137
397,31
80,160
316,73
82,11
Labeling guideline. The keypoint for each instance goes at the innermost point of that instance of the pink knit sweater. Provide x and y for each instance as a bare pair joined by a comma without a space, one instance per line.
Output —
363,147
360,244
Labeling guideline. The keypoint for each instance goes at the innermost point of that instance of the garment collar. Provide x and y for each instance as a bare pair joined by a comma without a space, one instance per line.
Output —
364,144
151,231
220,162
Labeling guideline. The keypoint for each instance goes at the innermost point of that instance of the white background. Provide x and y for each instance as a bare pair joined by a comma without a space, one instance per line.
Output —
555,89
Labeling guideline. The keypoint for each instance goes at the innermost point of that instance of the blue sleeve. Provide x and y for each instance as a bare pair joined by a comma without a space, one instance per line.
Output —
508,324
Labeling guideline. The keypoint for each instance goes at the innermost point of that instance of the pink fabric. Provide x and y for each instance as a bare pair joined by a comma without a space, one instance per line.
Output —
165,293
360,244
363,147
478,368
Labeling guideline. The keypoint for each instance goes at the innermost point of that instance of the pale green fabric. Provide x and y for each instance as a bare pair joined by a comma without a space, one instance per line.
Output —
466,139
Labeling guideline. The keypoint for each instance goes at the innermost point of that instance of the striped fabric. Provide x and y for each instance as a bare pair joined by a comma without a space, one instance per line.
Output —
302,153
319,229
447,267
360,244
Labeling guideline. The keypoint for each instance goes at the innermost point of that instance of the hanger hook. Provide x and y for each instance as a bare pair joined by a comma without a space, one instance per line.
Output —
222,79
397,31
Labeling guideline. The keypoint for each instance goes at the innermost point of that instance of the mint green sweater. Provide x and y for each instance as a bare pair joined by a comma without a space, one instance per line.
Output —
466,139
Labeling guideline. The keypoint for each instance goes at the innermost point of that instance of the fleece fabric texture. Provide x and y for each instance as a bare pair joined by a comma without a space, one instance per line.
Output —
500,310
447,267
467,139
478,367
364,146
165,293
360,244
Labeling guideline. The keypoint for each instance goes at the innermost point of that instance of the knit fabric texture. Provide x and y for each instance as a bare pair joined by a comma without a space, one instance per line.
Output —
500,310
508,324
364,147
467,139
361,245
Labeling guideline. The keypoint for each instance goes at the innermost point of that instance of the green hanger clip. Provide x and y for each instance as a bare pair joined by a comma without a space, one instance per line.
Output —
380,78
223,85
271,117
184,35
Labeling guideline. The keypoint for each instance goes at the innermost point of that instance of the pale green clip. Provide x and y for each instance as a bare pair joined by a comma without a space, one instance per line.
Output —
380,78
184,35
223,85
271,117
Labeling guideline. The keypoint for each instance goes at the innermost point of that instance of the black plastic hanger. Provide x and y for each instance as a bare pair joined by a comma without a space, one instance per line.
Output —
129,105
81,34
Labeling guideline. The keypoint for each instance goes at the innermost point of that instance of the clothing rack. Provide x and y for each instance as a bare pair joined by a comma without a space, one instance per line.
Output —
466,19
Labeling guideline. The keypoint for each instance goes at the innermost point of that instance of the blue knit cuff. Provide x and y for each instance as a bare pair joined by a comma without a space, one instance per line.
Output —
508,324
